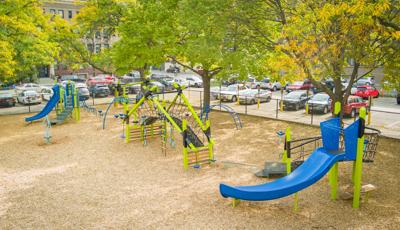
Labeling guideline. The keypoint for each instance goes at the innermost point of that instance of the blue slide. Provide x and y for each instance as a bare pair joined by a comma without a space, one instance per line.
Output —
313,169
49,106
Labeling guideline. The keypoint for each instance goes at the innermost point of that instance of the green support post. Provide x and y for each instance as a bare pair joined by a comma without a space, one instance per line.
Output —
210,143
359,158
76,106
334,171
286,151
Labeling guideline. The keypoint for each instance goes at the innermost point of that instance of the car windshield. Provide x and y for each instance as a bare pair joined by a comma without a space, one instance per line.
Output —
266,80
298,83
232,88
4,95
293,95
361,88
30,93
320,97
101,86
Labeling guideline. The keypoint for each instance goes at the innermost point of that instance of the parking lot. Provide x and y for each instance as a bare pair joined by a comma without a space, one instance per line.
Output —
385,113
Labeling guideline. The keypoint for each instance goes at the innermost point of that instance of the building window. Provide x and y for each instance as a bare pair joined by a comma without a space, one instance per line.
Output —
69,14
98,34
90,47
98,48
52,11
61,13
105,45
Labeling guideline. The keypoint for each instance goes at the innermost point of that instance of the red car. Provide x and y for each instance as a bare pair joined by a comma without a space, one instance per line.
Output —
367,91
299,85
100,80
353,105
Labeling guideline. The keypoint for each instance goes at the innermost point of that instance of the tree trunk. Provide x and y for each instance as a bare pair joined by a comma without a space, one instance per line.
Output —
206,91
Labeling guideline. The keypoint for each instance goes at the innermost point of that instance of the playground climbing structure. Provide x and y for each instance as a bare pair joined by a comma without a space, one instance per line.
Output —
149,117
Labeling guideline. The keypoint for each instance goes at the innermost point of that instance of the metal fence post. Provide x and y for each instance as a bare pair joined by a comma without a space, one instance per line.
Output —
245,104
312,113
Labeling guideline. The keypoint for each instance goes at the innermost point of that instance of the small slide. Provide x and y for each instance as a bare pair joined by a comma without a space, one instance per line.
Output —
312,170
49,106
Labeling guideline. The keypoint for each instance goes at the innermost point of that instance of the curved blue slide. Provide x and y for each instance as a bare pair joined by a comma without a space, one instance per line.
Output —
312,170
49,106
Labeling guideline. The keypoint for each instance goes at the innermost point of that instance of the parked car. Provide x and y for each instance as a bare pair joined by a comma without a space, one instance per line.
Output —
299,85
29,97
99,80
266,83
29,87
160,86
214,91
83,91
168,83
251,97
182,81
173,69
155,76
47,93
99,90
367,91
329,83
366,81
194,81
320,102
252,83
353,89
353,105
295,100
7,100
232,92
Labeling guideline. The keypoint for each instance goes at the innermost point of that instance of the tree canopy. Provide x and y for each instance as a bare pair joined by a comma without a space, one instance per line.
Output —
25,39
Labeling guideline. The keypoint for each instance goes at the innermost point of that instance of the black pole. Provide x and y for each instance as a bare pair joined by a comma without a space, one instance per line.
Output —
245,104
312,112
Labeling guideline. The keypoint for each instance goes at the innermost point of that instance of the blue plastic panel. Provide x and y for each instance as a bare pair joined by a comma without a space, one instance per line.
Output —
330,131
350,140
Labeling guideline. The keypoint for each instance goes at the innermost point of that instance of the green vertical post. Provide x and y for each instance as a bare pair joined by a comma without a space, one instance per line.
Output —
358,163
210,143
334,171
185,148
76,107
286,151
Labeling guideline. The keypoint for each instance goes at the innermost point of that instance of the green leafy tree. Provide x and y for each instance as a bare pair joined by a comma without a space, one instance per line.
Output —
317,39
25,39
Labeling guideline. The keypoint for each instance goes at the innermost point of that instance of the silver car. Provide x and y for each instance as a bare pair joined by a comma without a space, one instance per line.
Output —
29,97
320,102
232,92
251,97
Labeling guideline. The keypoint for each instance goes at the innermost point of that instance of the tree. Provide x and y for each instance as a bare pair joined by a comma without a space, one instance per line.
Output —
319,38
25,41
209,41
96,18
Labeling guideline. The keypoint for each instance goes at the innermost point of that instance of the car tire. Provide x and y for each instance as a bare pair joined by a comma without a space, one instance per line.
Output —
274,88
297,107
252,101
325,111
353,113
234,99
